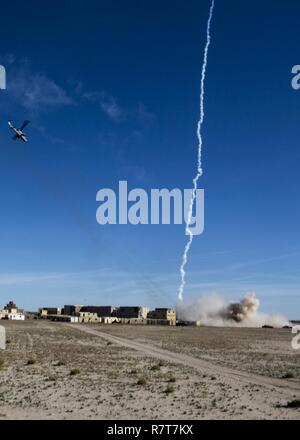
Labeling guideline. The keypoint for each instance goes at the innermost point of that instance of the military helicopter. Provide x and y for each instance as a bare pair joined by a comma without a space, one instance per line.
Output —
19,134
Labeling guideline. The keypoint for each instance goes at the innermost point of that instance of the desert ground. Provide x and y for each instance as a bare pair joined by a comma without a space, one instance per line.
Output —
62,371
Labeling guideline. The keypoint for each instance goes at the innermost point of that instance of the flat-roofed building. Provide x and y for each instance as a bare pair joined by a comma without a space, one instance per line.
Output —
137,312
160,322
72,310
163,313
63,318
16,316
102,311
45,311
12,316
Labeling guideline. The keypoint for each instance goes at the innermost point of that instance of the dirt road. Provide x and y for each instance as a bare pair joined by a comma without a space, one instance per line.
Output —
231,376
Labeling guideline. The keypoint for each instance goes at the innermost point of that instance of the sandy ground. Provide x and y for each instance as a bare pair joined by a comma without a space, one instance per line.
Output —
55,371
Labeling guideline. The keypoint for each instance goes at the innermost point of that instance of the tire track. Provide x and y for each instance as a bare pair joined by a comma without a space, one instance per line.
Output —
228,374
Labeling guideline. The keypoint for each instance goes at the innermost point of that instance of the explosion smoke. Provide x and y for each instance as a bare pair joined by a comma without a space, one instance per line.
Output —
212,310
199,167
246,309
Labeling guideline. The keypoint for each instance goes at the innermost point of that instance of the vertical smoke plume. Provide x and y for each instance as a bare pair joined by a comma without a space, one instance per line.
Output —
199,166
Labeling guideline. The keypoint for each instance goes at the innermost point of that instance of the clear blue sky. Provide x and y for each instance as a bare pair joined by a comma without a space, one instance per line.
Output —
112,90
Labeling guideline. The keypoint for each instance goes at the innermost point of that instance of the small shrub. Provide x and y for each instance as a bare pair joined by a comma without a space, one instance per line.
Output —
60,364
169,389
293,404
74,372
142,381
51,379
288,376
31,362
172,379
155,367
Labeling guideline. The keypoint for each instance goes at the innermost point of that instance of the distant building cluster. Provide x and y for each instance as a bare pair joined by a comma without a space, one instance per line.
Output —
109,315
135,315
12,313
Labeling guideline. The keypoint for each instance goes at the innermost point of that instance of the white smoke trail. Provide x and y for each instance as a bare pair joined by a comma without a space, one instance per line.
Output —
199,167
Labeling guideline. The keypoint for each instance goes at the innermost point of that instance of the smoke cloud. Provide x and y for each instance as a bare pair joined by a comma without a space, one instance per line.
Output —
214,311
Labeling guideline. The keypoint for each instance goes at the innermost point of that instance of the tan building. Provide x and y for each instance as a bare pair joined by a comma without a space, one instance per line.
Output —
163,314
45,311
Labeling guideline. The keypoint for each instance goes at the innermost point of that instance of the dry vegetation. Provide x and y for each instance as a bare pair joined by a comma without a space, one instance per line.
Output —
54,371
267,352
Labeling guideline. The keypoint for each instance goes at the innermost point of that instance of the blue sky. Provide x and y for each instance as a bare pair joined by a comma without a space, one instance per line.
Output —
112,92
